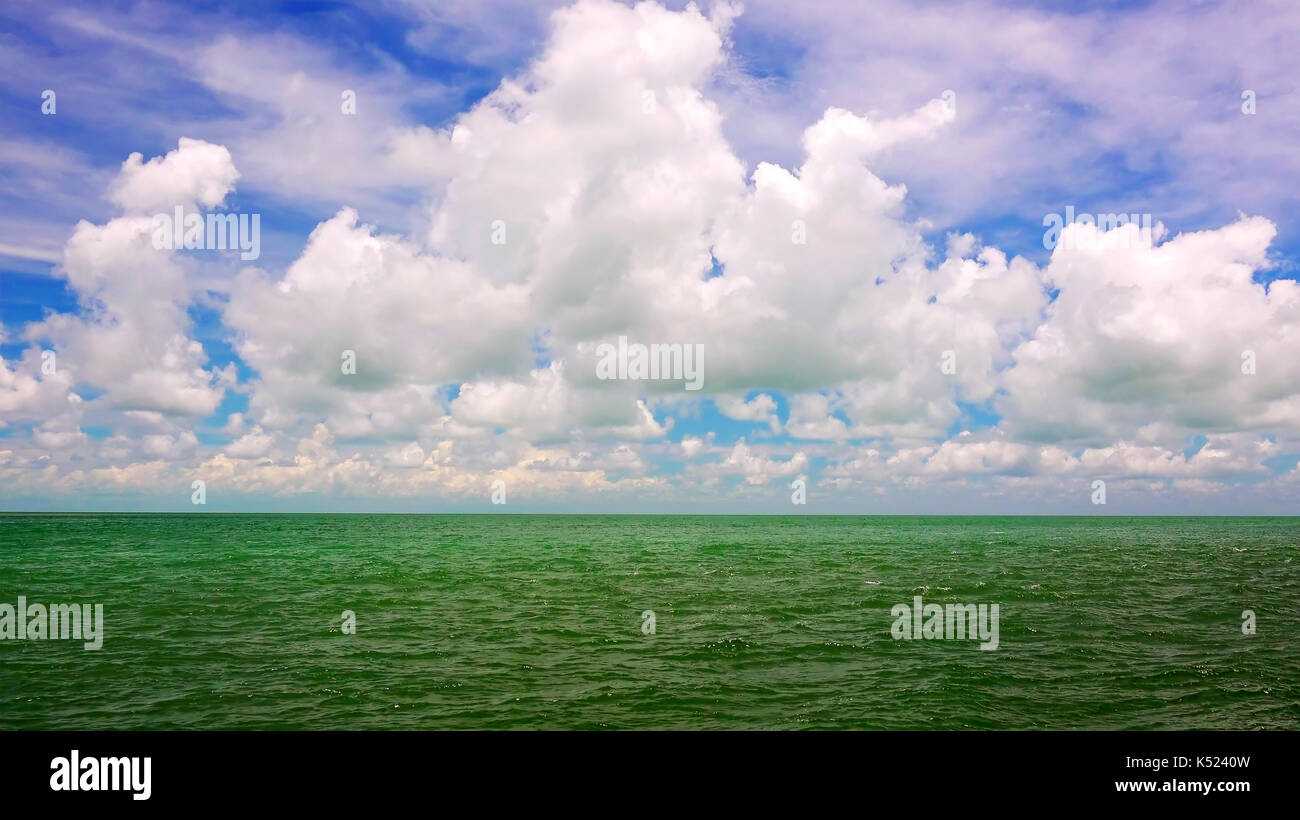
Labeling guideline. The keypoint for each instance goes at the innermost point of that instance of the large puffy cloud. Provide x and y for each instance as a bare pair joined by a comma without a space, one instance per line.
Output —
1159,340
583,205
130,343
409,321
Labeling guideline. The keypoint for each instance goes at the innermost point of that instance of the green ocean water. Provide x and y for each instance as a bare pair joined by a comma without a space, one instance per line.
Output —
217,621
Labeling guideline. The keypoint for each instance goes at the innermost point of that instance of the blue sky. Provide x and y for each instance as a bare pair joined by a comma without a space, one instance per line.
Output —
829,200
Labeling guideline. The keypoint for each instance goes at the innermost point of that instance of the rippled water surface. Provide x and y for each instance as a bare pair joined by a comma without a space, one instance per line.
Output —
499,621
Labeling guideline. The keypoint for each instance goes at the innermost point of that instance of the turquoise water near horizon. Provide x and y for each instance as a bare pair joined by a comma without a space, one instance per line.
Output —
229,621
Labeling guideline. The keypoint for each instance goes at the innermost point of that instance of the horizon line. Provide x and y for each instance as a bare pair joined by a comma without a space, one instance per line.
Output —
658,514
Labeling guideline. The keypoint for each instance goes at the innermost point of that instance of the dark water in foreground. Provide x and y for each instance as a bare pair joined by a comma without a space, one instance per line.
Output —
233,621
